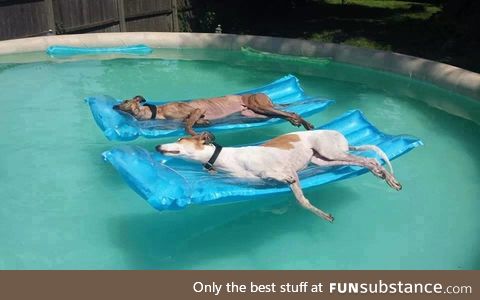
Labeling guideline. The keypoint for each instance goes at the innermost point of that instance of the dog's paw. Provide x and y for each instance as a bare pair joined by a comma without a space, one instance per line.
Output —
289,179
208,137
329,218
397,186
308,126
393,183
203,122
295,122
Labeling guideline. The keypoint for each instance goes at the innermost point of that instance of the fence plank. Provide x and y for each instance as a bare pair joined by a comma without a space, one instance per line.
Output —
174,15
121,15
50,16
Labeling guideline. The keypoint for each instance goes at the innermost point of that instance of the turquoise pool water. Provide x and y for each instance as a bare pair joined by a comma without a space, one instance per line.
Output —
62,207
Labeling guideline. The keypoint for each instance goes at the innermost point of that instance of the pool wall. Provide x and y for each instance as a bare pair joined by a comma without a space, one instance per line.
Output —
446,76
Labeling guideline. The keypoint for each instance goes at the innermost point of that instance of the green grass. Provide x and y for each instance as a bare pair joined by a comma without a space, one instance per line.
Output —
367,43
423,11
329,36
401,12
414,28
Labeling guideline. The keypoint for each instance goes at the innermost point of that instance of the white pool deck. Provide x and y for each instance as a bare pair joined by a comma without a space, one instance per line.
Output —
443,75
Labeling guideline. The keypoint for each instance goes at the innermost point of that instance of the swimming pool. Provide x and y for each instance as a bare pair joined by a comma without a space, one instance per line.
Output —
63,207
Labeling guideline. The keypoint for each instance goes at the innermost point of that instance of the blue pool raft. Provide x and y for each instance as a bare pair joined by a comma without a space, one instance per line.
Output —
285,92
64,51
170,183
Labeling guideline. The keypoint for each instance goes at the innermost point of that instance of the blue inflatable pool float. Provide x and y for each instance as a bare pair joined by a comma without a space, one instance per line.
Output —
63,51
170,183
262,55
119,126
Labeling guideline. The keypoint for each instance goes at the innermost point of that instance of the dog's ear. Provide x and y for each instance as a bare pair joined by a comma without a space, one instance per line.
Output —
139,99
207,137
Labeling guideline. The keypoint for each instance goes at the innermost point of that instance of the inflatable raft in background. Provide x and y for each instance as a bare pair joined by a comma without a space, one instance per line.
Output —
270,56
285,92
169,183
65,51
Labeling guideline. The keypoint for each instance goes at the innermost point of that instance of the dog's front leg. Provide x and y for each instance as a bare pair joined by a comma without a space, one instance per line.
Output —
192,119
297,191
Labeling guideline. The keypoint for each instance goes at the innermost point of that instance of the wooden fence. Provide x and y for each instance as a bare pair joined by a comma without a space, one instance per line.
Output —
26,18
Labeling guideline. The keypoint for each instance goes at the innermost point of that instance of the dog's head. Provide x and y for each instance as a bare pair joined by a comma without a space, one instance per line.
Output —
131,106
198,147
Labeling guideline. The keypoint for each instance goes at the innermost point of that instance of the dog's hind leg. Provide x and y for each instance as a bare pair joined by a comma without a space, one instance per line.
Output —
376,168
293,118
297,191
261,104
347,159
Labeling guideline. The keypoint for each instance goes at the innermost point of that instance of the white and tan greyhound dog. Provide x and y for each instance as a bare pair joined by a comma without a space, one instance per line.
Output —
281,158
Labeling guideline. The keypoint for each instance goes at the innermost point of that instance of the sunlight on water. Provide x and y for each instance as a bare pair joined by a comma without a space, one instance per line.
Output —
63,207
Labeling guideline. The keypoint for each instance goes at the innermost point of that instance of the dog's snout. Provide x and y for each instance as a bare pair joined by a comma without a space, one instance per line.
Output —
159,148
116,107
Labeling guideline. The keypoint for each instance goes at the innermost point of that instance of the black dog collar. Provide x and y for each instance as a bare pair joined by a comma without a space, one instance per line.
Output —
153,110
211,161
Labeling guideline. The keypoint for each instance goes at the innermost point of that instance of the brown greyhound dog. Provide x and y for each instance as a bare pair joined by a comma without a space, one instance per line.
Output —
201,111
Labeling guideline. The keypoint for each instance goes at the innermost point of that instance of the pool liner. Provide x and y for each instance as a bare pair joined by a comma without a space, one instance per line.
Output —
285,93
169,183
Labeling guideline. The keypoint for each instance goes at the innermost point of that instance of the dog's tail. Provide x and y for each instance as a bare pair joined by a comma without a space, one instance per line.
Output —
376,150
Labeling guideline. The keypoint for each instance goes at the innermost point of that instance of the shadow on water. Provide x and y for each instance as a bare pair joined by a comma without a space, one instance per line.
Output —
202,234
